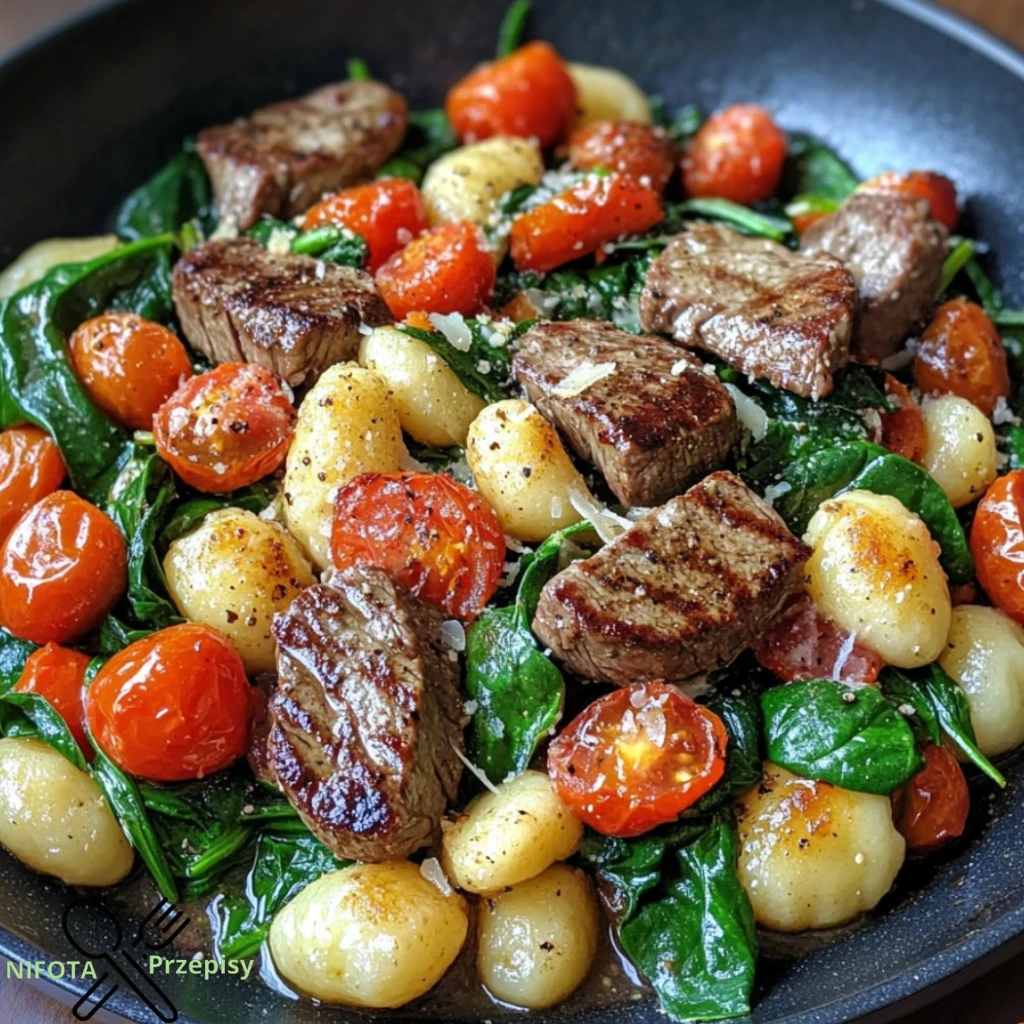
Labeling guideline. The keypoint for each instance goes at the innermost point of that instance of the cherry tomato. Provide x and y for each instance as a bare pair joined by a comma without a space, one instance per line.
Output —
805,220
802,643
903,431
175,705
637,758
931,809
961,353
519,308
936,188
581,220
388,214
446,270
997,544
736,154
432,534
528,93
58,674
636,150
226,428
30,468
62,568
129,366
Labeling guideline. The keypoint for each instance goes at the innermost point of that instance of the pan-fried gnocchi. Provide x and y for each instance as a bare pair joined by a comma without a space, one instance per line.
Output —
960,448
35,261
348,424
875,571
605,94
372,935
813,855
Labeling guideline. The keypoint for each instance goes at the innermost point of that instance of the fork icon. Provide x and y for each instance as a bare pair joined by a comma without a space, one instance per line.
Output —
164,929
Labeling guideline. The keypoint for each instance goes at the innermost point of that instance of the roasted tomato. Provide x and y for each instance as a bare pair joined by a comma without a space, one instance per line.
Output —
903,430
175,705
129,366
962,354
936,188
528,93
736,154
636,150
637,758
997,544
802,644
580,220
58,674
432,534
62,568
931,809
447,270
227,428
31,467
389,214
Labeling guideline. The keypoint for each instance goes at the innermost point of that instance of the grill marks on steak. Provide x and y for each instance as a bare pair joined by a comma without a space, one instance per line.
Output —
283,158
653,425
895,250
238,302
366,716
762,308
687,588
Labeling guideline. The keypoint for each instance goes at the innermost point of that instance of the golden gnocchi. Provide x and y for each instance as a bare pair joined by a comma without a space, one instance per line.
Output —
960,448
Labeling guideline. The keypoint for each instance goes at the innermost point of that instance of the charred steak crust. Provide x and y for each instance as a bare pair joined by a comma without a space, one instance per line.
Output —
281,159
764,309
653,425
895,250
366,716
238,302
687,588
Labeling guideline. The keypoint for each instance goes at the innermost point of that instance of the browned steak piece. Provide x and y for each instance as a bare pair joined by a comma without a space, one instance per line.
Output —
238,302
687,588
283,158
653,422
895,250
762,308
366,716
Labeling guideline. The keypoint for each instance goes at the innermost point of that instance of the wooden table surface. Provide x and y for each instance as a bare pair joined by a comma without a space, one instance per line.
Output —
997,998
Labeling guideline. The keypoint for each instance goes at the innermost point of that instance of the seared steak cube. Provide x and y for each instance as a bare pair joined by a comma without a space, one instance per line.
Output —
238,302
645,413
765,310
366,716
895,250
687,588
283,158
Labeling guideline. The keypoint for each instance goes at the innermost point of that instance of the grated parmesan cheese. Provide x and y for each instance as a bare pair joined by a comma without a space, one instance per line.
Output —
607,525
750,414
432,871
454,328
586,374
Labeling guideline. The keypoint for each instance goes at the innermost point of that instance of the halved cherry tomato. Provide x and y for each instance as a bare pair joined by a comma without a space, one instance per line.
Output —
736,154
528,93
175,705
801,643
128,365
58,674
637,758
388,214
962,354
432,534
932,808
31,467
936,188
636,150
62,568
580,220
997,544
446,270
519,308
226,428
903,431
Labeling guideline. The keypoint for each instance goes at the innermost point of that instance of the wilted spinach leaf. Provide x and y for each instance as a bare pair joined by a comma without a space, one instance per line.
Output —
177,193
743,218
329,243
511,32
744,724
812,169
429,136
30,714
13,655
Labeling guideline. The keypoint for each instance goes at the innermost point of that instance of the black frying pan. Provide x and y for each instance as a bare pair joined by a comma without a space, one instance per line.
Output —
94,110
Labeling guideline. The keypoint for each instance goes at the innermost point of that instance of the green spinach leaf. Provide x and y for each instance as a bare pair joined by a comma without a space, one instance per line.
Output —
743,218
815,170
430,136
744,723
511,32
329,243
13,655
34,715
176,194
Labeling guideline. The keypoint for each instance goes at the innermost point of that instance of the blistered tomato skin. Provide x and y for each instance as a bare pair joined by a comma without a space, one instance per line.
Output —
227,428
639,151
31,467
637,758
903,430
58,674
931,809
129,366
175,705
997,544
62,568
936,188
